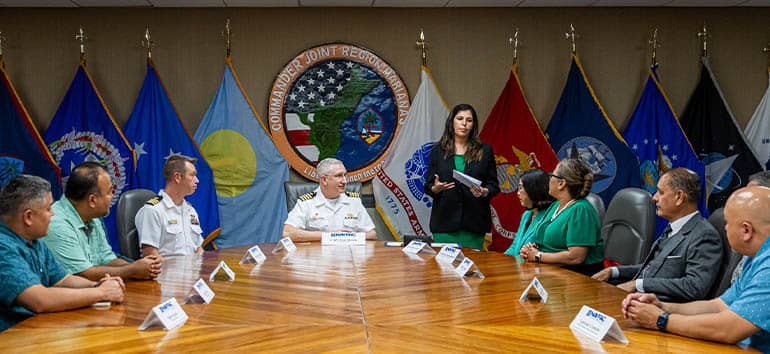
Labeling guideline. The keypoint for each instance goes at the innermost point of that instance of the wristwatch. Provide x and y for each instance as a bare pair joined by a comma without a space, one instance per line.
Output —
662,321
537,256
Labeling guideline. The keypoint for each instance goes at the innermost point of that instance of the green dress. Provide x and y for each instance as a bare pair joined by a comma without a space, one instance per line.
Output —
464,238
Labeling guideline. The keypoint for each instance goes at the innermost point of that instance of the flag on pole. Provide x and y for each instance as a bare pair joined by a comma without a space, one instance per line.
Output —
249,172
581,128
83,129
156,133
22,150
519,145
399,188
758,129
715,136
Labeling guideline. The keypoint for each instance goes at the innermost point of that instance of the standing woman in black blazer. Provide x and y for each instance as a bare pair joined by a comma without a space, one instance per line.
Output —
461,214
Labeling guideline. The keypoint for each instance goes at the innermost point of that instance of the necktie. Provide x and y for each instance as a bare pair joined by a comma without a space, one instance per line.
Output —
657,247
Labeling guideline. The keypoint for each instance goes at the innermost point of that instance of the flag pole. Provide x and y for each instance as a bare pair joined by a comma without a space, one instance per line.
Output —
147,43
514,41
227,34
423,45
571,36
703,35
81,37
654,45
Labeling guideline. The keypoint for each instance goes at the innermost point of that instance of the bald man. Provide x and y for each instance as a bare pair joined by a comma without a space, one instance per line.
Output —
741,313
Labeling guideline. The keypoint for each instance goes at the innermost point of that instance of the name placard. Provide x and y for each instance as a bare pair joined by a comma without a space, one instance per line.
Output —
468,268
449,255
596,325
538,287
343,238
200,292
417,246
253,255
285,244
169,314
222,266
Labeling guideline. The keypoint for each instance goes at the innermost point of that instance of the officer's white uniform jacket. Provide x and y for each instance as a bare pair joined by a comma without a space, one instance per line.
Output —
173,230
313,212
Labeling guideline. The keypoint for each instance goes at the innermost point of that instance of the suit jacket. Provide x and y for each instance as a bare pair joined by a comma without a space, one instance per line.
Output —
455,209
686,267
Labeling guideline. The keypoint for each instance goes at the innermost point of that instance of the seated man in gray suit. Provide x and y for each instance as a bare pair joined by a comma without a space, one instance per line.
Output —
683,263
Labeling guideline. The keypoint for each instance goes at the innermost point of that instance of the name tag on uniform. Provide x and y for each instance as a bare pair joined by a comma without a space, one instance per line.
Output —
538,286
169,314
343,238
222,266
596,325
468,268
416,246
285,243
199,292
253,255
449,254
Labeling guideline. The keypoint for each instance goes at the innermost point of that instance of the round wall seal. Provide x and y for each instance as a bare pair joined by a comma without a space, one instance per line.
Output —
337,100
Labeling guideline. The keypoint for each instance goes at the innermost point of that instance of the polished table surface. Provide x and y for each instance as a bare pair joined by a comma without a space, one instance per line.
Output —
349,299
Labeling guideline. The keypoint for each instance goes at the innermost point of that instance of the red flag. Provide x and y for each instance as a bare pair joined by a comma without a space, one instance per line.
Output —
519,145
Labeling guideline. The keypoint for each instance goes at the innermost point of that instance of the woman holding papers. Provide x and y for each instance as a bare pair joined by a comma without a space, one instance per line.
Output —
461,212
570,234
533,195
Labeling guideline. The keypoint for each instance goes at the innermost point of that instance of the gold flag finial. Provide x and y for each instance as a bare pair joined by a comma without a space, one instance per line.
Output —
704,38
654,45
572,36
514,41
423,45
227,34
147,43
82,38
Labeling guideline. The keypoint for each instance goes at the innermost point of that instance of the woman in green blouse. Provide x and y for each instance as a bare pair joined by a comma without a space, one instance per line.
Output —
533,195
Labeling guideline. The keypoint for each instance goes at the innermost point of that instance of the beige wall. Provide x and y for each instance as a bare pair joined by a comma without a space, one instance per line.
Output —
468,52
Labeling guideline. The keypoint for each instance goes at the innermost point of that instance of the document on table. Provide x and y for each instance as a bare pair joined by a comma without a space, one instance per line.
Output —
465,179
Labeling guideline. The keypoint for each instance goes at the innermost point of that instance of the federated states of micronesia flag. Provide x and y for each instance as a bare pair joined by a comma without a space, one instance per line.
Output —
156,133
83,129
580,128
22,150
758,130
654,134
249,172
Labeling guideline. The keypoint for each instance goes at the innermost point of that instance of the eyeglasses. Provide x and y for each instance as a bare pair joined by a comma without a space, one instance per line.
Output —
556,176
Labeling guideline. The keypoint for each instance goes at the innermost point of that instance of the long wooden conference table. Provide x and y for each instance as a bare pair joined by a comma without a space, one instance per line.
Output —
358,299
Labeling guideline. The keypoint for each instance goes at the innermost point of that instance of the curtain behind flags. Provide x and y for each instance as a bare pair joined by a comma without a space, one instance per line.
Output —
157,133
653,132
83,130
580,128
249,172
399,188
758,129
22,150
519,145
714,134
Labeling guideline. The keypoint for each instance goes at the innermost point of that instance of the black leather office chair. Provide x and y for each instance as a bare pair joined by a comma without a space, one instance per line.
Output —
628,228
598,204
730,258
295,189
128,205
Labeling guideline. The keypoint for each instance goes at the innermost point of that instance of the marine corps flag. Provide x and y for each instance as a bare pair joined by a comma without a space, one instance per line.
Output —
157,133
399,188
720,145
581,128
758,129
83,130
22,150
519,145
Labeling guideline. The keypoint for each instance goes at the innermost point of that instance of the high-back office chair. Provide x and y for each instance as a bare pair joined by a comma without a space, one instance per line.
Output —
598,204
128,205
628,228
730,258
295,189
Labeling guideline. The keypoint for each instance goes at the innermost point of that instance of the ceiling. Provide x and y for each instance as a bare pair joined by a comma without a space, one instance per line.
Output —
383,3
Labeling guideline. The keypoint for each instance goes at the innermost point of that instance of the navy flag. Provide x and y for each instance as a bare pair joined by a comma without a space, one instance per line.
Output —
720,145
157,133
581,128
22,150
83,130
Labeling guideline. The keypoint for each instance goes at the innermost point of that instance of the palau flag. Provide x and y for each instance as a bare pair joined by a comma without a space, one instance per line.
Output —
519,145
249,172
581,128
758,129
399,188
22,150
653,132
715,136
83,129
157,133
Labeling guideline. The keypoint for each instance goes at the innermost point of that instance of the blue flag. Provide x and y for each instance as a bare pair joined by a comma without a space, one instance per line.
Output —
580,128
83,130
157,133
22,150
653,132
249,172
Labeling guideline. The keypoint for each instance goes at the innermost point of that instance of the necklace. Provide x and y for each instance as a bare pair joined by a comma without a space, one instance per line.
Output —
560,209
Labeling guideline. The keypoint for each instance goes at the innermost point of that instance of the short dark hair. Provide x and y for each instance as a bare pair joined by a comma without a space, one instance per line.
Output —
84,180
535,183
760,178
685,180
22,191
176,163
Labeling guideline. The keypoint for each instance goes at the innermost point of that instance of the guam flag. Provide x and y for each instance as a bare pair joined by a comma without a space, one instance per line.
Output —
22,150
83,130
157,133
581,128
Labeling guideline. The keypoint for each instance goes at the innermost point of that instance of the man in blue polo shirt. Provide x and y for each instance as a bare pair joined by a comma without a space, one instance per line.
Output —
741,315
31,280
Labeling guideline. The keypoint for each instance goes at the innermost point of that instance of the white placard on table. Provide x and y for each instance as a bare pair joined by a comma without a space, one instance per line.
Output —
538,287
253,255
449,255
169,314
285,244
468,181
468,268
222,266
200,292
417,246
596,325
343,238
